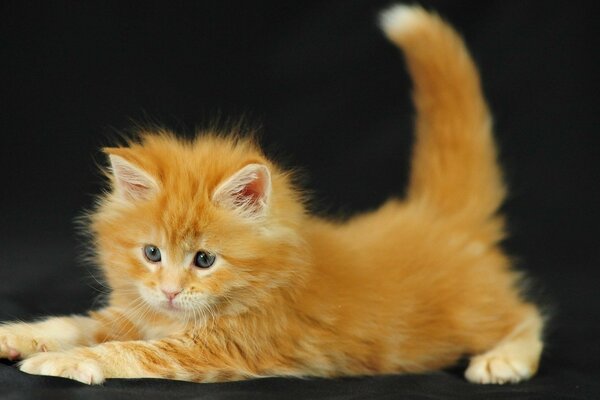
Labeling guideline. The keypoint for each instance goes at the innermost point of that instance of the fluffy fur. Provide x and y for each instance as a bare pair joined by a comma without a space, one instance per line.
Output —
410,287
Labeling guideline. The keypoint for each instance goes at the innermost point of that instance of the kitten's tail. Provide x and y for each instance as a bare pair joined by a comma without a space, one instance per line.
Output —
454,166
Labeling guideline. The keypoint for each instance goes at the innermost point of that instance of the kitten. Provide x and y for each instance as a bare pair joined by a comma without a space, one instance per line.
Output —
218,273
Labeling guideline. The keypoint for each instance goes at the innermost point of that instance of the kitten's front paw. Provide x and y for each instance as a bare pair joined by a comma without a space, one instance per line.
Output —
65,365
15,345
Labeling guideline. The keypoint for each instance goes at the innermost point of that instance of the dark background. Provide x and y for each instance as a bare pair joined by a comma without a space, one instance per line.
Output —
331,96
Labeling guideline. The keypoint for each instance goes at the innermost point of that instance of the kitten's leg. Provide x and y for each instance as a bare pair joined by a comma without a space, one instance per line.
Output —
181,358
21,339
512,360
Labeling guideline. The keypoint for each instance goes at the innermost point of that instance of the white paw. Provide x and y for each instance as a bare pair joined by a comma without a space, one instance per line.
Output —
497,368
15,346
9,346
65,365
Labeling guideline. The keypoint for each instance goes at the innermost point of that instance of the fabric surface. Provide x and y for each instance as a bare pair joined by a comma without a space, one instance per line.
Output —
332,97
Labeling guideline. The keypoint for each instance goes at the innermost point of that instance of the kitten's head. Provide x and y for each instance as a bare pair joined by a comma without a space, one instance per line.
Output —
192,225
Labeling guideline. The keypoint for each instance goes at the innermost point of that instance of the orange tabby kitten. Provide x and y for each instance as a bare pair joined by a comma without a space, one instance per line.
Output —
218,273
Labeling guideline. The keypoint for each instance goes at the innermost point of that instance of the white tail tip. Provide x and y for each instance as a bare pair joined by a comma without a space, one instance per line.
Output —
401,18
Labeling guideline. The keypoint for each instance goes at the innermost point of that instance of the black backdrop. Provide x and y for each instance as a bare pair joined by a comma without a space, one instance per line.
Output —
330,95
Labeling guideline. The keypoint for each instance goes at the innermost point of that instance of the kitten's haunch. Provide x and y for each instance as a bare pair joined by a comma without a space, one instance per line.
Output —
218,272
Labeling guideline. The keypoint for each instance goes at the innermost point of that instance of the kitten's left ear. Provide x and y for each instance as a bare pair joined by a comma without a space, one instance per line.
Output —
247,192
131,181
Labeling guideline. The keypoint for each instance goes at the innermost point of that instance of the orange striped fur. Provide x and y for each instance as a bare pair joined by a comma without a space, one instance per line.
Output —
410,287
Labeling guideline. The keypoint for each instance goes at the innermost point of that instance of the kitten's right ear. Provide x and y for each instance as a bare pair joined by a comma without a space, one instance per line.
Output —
131,181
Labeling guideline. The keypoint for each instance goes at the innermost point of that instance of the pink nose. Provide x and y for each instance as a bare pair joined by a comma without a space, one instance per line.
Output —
171,294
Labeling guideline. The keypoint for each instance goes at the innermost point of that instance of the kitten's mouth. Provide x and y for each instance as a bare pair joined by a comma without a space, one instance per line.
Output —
171,306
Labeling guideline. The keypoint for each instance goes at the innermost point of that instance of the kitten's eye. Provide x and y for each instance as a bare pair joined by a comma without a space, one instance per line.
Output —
203,259
152,253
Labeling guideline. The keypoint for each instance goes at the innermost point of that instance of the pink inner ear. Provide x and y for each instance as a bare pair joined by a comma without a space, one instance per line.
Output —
131,181
250,193
246,192
136,187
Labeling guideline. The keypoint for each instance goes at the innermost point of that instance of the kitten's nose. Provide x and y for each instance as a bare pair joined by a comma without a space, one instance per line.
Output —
171,294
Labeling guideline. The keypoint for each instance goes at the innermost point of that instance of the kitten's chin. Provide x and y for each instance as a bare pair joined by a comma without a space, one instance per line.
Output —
170,308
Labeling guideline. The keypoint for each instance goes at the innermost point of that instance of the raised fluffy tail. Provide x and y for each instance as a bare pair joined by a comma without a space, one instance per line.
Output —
454,166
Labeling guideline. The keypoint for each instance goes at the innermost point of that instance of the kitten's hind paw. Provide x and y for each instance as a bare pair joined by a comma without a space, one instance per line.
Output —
64,365
495,368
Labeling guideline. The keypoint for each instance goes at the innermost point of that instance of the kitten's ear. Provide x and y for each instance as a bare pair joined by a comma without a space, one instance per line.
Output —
131,181
247,192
